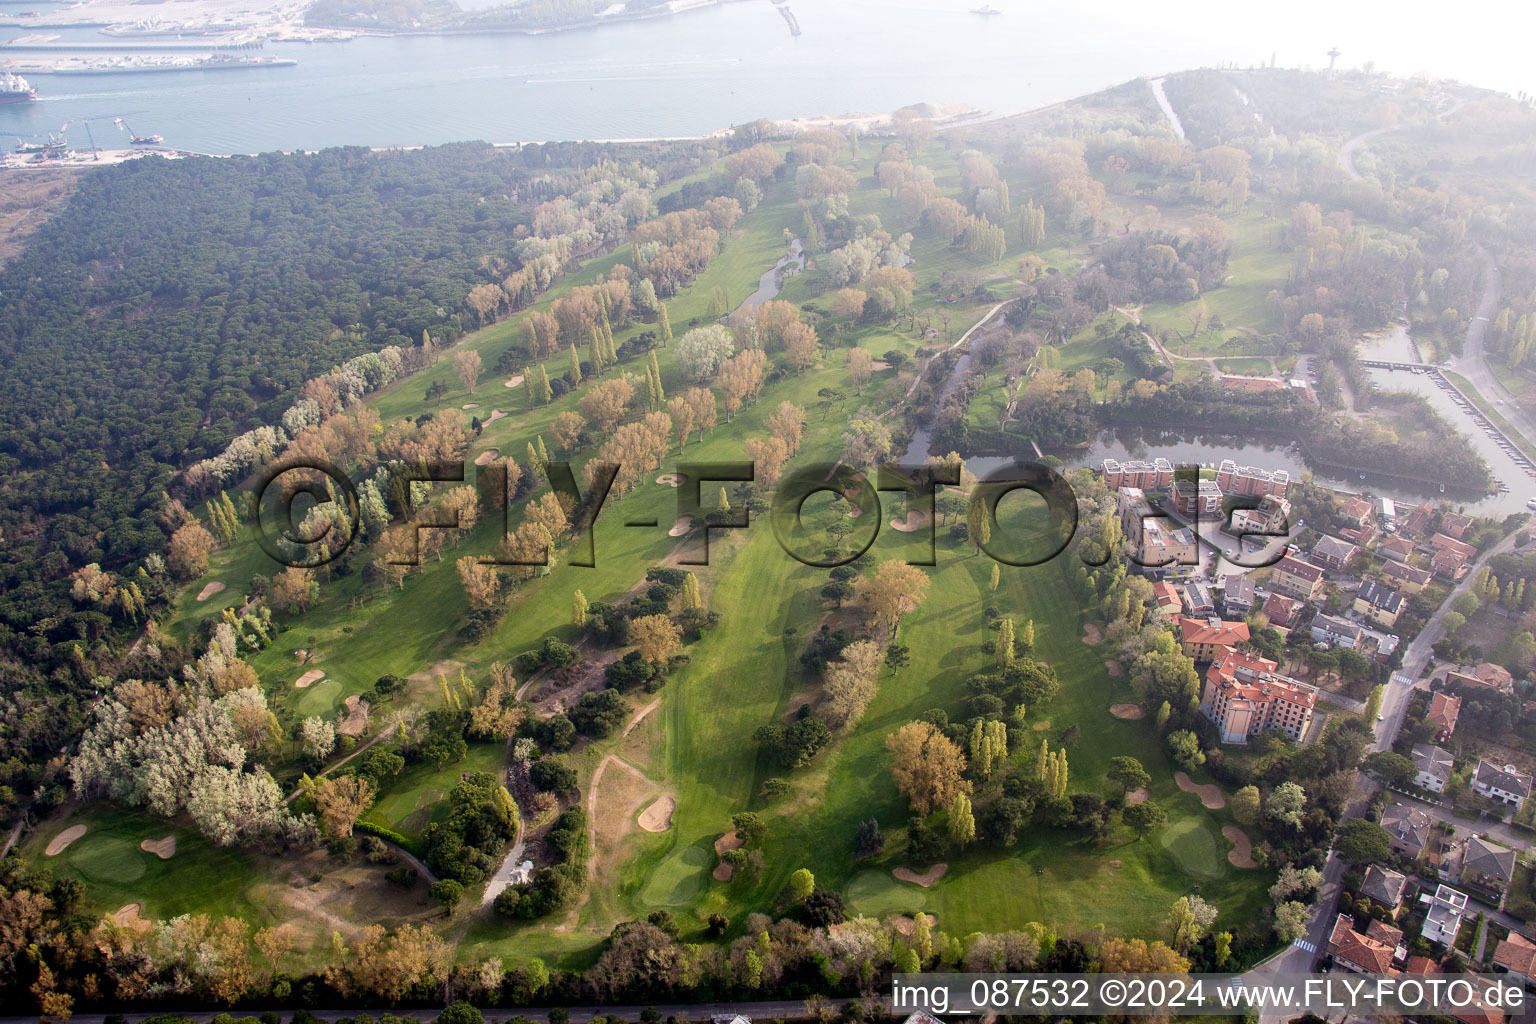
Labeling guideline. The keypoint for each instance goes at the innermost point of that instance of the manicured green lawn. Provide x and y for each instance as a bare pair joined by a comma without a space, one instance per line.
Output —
419,795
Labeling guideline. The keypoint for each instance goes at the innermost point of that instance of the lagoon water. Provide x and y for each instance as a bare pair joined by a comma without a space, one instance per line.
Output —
703,70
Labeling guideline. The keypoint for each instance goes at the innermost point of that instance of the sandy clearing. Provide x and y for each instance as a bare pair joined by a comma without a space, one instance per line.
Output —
1091,635
1241,854
309,678
878,365
1114,668
658,816
488,456
672,479
1136,796
165,848
1209,794
1126,710
681,527
213,587
1042,726
61,842
915,520
513,382
926,879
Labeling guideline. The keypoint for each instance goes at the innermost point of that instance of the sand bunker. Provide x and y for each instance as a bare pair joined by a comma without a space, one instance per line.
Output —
470,405
309,678
926,879
1241,854
1136,796
1209,794
488,456
730,841
496,414
915,520
673,479
681,527
854,511
131,917
1091,635
61,842
658,816
1113,667
165,848
1126,710
356,722
513,382
208,591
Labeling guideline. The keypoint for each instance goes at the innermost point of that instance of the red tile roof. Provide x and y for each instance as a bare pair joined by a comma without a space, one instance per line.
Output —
1516,953
1362,951
1444,710
1212,631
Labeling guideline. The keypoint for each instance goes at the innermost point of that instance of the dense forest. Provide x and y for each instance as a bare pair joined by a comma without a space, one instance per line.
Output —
172,305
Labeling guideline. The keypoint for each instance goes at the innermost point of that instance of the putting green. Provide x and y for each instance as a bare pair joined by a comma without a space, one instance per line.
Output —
1194,846
875,893
678,880
107,858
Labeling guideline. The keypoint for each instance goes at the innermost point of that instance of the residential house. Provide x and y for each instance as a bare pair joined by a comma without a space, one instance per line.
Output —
1449,565
1197,499
1452,557
1456,525
1434,767
1237,595
1270,518
1198,601
1443,914
1486,675
1516,956
1154,475
1235,479
1152,539
1395,547
1379,604
1206,639
1487,869
1279,610
1358,512
1244,696
1333,553
1444,710
1408,579
1408,826
1501,782
1417,523
1359,951
1334,631
1296,578
1385,886
1167,597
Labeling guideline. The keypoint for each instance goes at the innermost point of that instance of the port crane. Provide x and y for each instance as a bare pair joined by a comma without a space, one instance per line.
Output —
137,140
95,151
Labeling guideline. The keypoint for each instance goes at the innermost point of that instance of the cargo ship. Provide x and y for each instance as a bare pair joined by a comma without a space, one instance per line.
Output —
15,89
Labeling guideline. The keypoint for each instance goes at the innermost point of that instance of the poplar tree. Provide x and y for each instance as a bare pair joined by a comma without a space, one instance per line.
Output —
578,609
665,324
574,373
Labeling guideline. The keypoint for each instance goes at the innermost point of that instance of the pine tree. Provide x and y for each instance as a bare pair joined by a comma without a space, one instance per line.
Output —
578,609
962,823
574,373
664,324
1005,644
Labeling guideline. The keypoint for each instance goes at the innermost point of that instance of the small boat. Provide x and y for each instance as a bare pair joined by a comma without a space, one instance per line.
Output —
985,9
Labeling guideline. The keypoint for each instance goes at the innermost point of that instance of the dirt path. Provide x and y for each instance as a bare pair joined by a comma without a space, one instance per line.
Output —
640,716
1209,794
